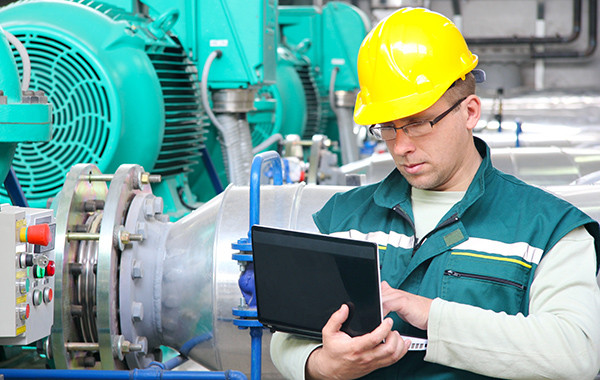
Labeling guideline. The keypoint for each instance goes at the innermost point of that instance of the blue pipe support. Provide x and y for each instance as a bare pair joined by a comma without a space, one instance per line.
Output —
245,244
211,170
153,373
14,190
255,175
518,132
256,334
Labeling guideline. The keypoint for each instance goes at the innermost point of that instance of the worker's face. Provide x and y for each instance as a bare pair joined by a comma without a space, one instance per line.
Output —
445,159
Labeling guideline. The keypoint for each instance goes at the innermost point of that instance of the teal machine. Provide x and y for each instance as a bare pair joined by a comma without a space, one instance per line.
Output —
128,89
133,93
321,45
130,83
308,88
123,90
25,115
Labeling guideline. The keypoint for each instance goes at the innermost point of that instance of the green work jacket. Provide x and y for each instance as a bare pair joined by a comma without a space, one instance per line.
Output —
484,251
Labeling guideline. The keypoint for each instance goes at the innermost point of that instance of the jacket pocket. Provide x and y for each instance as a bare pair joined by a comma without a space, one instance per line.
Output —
487,281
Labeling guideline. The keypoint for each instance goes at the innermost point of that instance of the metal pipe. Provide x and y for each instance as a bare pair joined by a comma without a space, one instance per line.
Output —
576,30
81,346
457,14
540,31
592,38
274,138
136,374
82,236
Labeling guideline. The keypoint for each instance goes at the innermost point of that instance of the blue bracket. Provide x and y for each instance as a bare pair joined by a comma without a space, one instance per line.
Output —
14,189
247,316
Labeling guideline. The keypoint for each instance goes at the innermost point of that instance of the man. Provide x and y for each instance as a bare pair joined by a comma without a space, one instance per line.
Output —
498,275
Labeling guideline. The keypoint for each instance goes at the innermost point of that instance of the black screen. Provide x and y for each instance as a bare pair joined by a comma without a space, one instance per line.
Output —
302,278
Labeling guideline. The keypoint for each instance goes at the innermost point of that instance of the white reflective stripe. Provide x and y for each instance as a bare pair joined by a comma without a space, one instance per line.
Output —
525,251
381,238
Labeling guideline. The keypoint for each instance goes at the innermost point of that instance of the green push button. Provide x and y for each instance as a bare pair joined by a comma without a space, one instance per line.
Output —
38,271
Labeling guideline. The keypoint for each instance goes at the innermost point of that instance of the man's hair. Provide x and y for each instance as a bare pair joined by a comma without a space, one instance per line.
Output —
461,89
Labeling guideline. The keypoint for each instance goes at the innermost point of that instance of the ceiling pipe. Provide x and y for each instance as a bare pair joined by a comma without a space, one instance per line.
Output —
592,38
575,31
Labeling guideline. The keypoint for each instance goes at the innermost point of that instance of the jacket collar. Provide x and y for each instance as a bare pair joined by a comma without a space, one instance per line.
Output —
395,190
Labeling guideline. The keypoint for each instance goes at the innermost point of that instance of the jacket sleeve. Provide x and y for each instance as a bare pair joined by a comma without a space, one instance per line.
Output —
290,353
559,339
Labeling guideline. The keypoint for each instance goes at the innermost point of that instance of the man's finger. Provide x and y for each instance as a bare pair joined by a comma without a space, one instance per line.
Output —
334,324
378,335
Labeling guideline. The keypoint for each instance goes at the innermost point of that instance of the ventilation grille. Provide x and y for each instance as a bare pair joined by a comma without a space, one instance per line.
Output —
185,121
313,104
81,116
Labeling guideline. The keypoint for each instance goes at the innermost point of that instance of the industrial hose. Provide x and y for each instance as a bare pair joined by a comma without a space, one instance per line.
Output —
24,59
237,141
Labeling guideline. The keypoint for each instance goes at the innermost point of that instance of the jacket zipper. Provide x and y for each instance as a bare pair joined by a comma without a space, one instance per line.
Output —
452,219
452,273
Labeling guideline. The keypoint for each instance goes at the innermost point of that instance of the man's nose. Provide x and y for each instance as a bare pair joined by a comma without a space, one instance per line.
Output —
402,144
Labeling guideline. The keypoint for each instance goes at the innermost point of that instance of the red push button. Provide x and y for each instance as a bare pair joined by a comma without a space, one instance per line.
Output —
50,268
23,312
48,294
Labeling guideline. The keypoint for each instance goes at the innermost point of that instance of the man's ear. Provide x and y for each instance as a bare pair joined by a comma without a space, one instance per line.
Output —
473,107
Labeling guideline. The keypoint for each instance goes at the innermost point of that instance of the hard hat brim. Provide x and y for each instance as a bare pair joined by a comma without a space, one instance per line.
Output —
375,113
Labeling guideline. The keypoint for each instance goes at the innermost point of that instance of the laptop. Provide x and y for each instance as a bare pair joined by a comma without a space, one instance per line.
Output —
302,278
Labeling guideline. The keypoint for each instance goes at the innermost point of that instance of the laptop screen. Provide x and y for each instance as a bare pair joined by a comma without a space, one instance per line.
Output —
302,278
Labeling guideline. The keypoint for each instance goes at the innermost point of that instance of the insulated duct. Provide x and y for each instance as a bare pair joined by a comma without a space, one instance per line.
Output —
154,282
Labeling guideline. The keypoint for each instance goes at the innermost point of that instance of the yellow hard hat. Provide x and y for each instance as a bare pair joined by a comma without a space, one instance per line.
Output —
406,63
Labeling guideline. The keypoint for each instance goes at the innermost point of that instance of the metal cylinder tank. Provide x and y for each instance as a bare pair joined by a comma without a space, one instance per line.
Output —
132,281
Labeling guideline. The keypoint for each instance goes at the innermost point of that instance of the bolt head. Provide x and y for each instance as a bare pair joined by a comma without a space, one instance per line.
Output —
136,270
137,311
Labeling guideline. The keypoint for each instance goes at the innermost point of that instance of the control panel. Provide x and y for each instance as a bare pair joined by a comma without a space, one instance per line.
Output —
27,271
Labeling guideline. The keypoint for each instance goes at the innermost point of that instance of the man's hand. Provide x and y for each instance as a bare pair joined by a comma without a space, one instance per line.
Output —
411,308
344,357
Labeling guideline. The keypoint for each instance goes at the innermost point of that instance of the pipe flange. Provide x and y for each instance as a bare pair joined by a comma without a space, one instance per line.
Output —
345,99
70,216
124,186
234,100
140,279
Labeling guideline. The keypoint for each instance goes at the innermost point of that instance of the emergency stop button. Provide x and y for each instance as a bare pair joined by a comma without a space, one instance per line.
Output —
38,234
50,268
